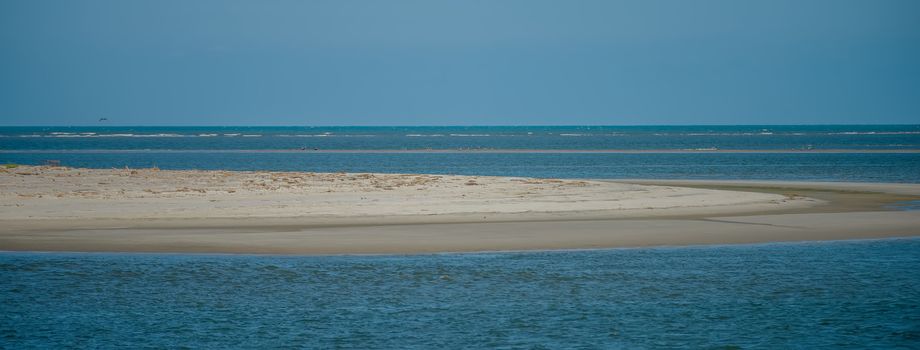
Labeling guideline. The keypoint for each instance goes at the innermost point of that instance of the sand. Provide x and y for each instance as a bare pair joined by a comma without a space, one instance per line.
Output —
47,193
150,210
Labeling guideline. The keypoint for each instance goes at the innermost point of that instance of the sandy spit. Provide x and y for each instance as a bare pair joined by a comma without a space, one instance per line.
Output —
151,210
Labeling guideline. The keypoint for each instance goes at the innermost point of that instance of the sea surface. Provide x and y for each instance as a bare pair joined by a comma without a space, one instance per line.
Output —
868,153
847,294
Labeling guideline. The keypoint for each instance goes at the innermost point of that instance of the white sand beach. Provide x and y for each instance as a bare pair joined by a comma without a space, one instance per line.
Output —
69,209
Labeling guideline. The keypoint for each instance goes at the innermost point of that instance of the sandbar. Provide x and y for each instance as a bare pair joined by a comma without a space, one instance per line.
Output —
189,211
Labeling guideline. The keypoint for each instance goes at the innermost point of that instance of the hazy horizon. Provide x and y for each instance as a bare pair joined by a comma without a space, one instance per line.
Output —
438,125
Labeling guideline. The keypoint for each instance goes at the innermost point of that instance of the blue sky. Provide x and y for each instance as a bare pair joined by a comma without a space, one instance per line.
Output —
504,62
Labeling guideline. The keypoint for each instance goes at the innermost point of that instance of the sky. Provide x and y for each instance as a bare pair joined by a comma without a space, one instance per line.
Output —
427,62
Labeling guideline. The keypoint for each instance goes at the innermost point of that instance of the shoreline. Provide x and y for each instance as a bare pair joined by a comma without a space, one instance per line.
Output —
472,252
576,214
476,151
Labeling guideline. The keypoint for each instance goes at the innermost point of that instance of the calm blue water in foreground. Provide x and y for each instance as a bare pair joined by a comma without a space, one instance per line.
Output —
851,294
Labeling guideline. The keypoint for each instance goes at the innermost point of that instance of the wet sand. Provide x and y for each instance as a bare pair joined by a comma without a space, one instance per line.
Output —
115,210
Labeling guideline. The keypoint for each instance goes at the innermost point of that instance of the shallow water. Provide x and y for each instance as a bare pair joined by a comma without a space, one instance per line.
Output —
816,167
907,205
850,294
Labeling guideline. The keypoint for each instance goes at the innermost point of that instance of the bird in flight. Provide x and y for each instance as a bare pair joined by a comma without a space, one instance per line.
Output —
103,119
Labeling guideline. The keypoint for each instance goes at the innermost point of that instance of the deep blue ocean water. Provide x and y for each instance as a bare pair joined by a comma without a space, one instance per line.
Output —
848,294
279,148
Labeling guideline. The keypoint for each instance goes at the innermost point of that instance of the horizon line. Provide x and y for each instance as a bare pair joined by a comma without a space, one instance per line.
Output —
444,125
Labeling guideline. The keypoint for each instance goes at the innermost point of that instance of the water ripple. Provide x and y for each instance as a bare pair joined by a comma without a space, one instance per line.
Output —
857,294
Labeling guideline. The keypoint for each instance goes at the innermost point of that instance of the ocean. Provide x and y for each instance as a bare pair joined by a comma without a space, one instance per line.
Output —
877,153
844,294
848,294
